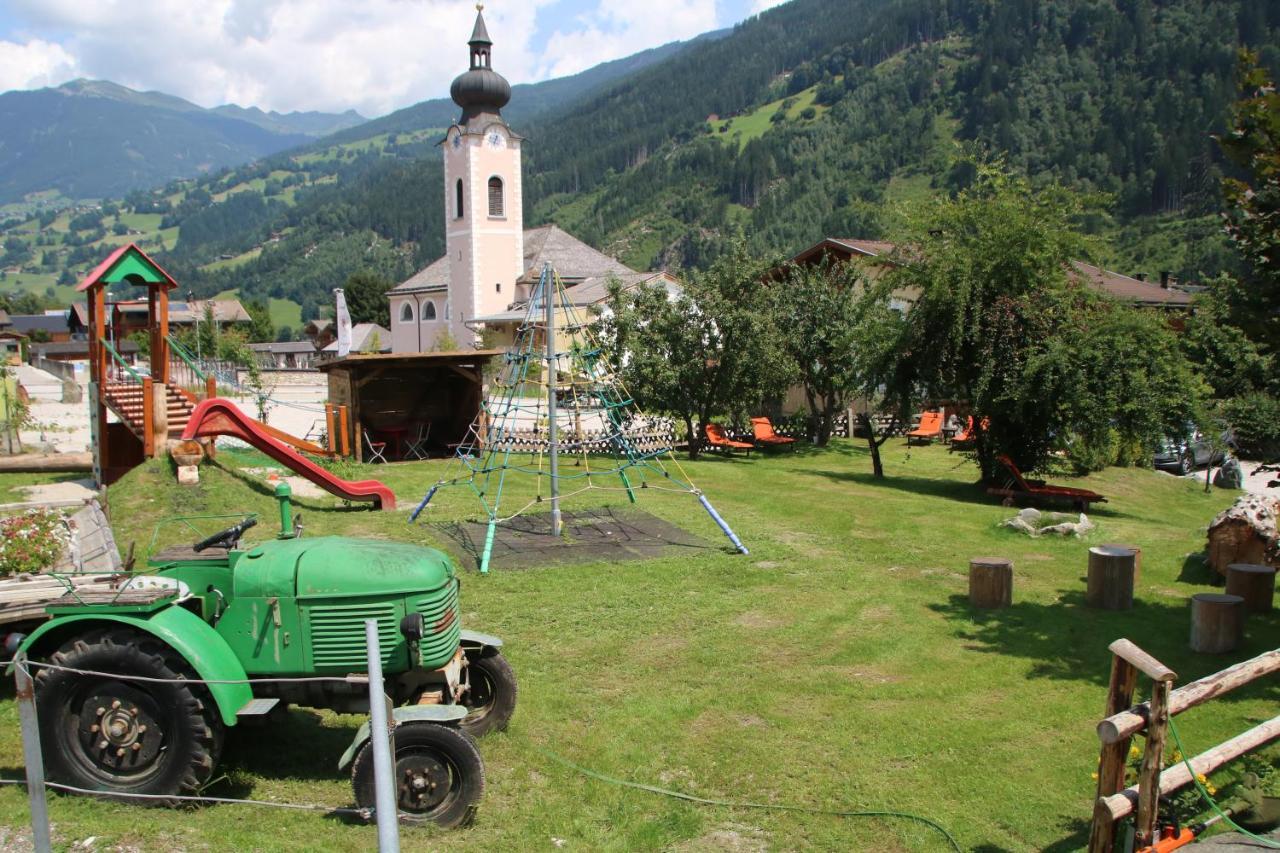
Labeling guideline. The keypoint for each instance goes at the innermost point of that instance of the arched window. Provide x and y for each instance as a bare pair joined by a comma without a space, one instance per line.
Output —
495,196
457,197
428,310
406,312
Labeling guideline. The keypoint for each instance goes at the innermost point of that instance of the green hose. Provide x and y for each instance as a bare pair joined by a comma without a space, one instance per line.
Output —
680,795
1265,842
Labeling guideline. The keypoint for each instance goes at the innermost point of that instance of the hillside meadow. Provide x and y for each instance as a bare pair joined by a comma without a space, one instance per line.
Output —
838,667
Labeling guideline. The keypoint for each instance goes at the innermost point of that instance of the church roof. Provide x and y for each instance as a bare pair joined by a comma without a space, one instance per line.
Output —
573,259
480,35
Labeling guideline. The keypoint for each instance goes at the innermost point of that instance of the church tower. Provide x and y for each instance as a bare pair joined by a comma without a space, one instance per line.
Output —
484,225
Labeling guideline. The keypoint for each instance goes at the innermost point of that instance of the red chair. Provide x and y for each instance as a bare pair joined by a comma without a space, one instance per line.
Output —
929,429
1017,487
717,439
765,436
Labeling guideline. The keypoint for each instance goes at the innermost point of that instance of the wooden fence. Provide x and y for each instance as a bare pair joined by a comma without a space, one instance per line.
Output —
1114,800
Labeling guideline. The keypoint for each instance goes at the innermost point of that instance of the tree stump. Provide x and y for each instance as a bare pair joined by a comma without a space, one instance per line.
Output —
1255,584
1217,622
1137,557
990,582
1111,574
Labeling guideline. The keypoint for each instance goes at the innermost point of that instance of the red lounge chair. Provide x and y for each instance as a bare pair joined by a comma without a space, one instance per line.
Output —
1017,487
718,440
929,429
762,430
962,439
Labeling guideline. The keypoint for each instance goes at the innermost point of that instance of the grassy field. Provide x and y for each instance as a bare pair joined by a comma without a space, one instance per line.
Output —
839,666
744,128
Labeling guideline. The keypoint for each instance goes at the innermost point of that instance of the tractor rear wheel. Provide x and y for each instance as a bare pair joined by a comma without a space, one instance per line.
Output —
438,774
491,696
120,735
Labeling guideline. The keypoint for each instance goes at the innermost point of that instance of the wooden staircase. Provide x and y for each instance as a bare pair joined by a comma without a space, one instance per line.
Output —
127,400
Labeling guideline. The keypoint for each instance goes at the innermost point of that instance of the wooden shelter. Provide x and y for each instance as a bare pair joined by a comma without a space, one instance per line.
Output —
393,396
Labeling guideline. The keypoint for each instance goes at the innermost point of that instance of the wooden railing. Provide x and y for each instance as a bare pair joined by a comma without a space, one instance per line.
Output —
1114,801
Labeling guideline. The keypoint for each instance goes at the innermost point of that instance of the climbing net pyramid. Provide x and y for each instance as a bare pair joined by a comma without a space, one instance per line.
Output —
558,402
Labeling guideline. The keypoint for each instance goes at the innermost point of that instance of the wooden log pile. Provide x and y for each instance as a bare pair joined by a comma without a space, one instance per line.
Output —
1245,533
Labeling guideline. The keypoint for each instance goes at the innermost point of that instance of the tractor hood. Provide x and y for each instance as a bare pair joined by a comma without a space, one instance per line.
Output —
337,566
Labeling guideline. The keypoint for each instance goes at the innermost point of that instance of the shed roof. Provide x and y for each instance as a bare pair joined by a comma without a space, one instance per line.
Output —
368,361
127,262
26,323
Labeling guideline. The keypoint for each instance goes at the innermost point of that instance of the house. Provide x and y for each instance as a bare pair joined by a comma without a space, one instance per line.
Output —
129,316
365,338
320,332
285,355
52,327
79,350
483,282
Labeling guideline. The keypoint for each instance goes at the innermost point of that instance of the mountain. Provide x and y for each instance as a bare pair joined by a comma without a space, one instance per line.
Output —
94,138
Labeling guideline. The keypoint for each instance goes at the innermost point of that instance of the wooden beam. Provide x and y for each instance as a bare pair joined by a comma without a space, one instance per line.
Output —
1145,663
1127,723
1111,761
1152,766
47,463
1122,804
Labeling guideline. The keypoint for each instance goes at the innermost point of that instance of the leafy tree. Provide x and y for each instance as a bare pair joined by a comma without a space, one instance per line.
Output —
262,330
284,334
709,352
1253,202
366,294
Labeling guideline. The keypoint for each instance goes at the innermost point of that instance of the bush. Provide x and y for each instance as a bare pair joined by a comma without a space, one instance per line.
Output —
32,541
808,113
1256,421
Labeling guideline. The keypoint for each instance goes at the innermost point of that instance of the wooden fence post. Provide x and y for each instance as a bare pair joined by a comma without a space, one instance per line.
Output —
1152,764
1124,678
345,431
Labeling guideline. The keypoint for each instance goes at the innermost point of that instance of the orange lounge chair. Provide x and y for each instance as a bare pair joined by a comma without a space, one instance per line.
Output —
929,429
964,437
718,440
762,430
1017,487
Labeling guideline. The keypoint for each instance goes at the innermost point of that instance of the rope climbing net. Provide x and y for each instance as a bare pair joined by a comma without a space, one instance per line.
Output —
558,400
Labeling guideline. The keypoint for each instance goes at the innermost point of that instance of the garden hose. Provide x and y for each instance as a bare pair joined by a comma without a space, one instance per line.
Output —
1226,818
735,804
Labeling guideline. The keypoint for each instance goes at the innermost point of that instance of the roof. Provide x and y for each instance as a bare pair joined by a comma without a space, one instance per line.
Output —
573,259
26,323
415,359
318,325
81,347
127,262
362,338
284,346
1130,289
4,317
480,35
591,291
224,311
80,311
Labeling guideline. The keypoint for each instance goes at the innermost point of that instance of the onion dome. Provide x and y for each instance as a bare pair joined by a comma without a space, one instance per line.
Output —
480,89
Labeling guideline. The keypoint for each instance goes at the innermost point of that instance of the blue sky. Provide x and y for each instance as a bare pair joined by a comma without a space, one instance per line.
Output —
370,55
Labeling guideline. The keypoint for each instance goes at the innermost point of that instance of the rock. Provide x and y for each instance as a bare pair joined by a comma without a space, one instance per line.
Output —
1056,524
1229,476
72,392
188,475
1031,515
1245,532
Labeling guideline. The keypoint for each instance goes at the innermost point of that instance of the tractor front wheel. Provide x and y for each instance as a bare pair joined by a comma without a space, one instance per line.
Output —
491,695
116,734
438,774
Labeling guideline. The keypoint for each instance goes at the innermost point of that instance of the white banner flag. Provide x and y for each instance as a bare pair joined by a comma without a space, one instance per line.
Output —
344,324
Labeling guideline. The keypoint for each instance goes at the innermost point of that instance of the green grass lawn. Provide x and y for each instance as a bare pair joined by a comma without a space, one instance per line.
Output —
839,666
744,128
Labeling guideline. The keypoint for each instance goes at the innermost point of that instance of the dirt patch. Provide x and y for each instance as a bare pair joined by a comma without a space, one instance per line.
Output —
755,619
863,674
68,490
716,720
735,837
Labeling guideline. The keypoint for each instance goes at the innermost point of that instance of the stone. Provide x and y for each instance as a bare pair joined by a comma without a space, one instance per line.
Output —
1229,475
188,475
72,392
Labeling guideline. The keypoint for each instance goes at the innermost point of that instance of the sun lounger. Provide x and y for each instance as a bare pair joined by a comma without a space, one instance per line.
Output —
929,429
718,440
1017,488
762,430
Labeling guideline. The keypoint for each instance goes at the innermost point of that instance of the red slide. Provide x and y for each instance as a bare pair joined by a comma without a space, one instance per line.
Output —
217,416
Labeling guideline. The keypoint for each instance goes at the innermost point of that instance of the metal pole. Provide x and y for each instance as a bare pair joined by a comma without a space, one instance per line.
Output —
379,734
31,755
553,449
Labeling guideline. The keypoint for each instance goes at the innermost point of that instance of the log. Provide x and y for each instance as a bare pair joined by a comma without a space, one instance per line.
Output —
1245,532
1217,622
1111,760
47,463
1111,572
1152,766
1122,804
990,582
1125,724
1137,556
1255,584
1145,663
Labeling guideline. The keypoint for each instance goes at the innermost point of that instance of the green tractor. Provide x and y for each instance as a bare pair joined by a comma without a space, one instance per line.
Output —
186,636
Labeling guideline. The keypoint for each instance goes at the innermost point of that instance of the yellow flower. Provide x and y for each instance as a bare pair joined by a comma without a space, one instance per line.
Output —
1134,752
1095,776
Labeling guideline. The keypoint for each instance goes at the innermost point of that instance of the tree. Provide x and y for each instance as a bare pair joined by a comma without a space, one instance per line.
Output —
1253,202
366,294
711,351
262,330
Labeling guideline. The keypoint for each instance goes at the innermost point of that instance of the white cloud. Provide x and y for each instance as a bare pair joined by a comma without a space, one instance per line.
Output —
34,64
758,6
371,55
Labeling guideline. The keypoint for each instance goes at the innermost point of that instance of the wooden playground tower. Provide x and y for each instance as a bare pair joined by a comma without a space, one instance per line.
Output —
150,408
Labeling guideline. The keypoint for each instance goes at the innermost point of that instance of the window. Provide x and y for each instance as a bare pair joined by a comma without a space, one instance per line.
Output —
497,287
406,312
495,196
457,197
428,311
447,310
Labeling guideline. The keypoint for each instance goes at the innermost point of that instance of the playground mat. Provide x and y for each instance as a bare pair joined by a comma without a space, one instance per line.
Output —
590,535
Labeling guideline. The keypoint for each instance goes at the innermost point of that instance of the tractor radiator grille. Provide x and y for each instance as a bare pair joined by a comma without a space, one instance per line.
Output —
337,635
440,617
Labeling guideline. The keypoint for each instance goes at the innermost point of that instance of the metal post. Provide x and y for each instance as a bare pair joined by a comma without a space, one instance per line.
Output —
31,755
385,810
553,449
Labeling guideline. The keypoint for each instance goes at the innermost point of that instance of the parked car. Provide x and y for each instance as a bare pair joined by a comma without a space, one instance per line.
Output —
1183,454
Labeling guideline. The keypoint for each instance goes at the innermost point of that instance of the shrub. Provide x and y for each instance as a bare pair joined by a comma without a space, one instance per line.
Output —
808,113
1256,421
32,541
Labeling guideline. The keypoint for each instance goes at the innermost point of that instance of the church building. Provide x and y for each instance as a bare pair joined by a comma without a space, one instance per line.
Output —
491,263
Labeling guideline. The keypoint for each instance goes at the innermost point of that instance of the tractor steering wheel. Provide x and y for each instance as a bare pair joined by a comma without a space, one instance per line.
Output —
225,538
